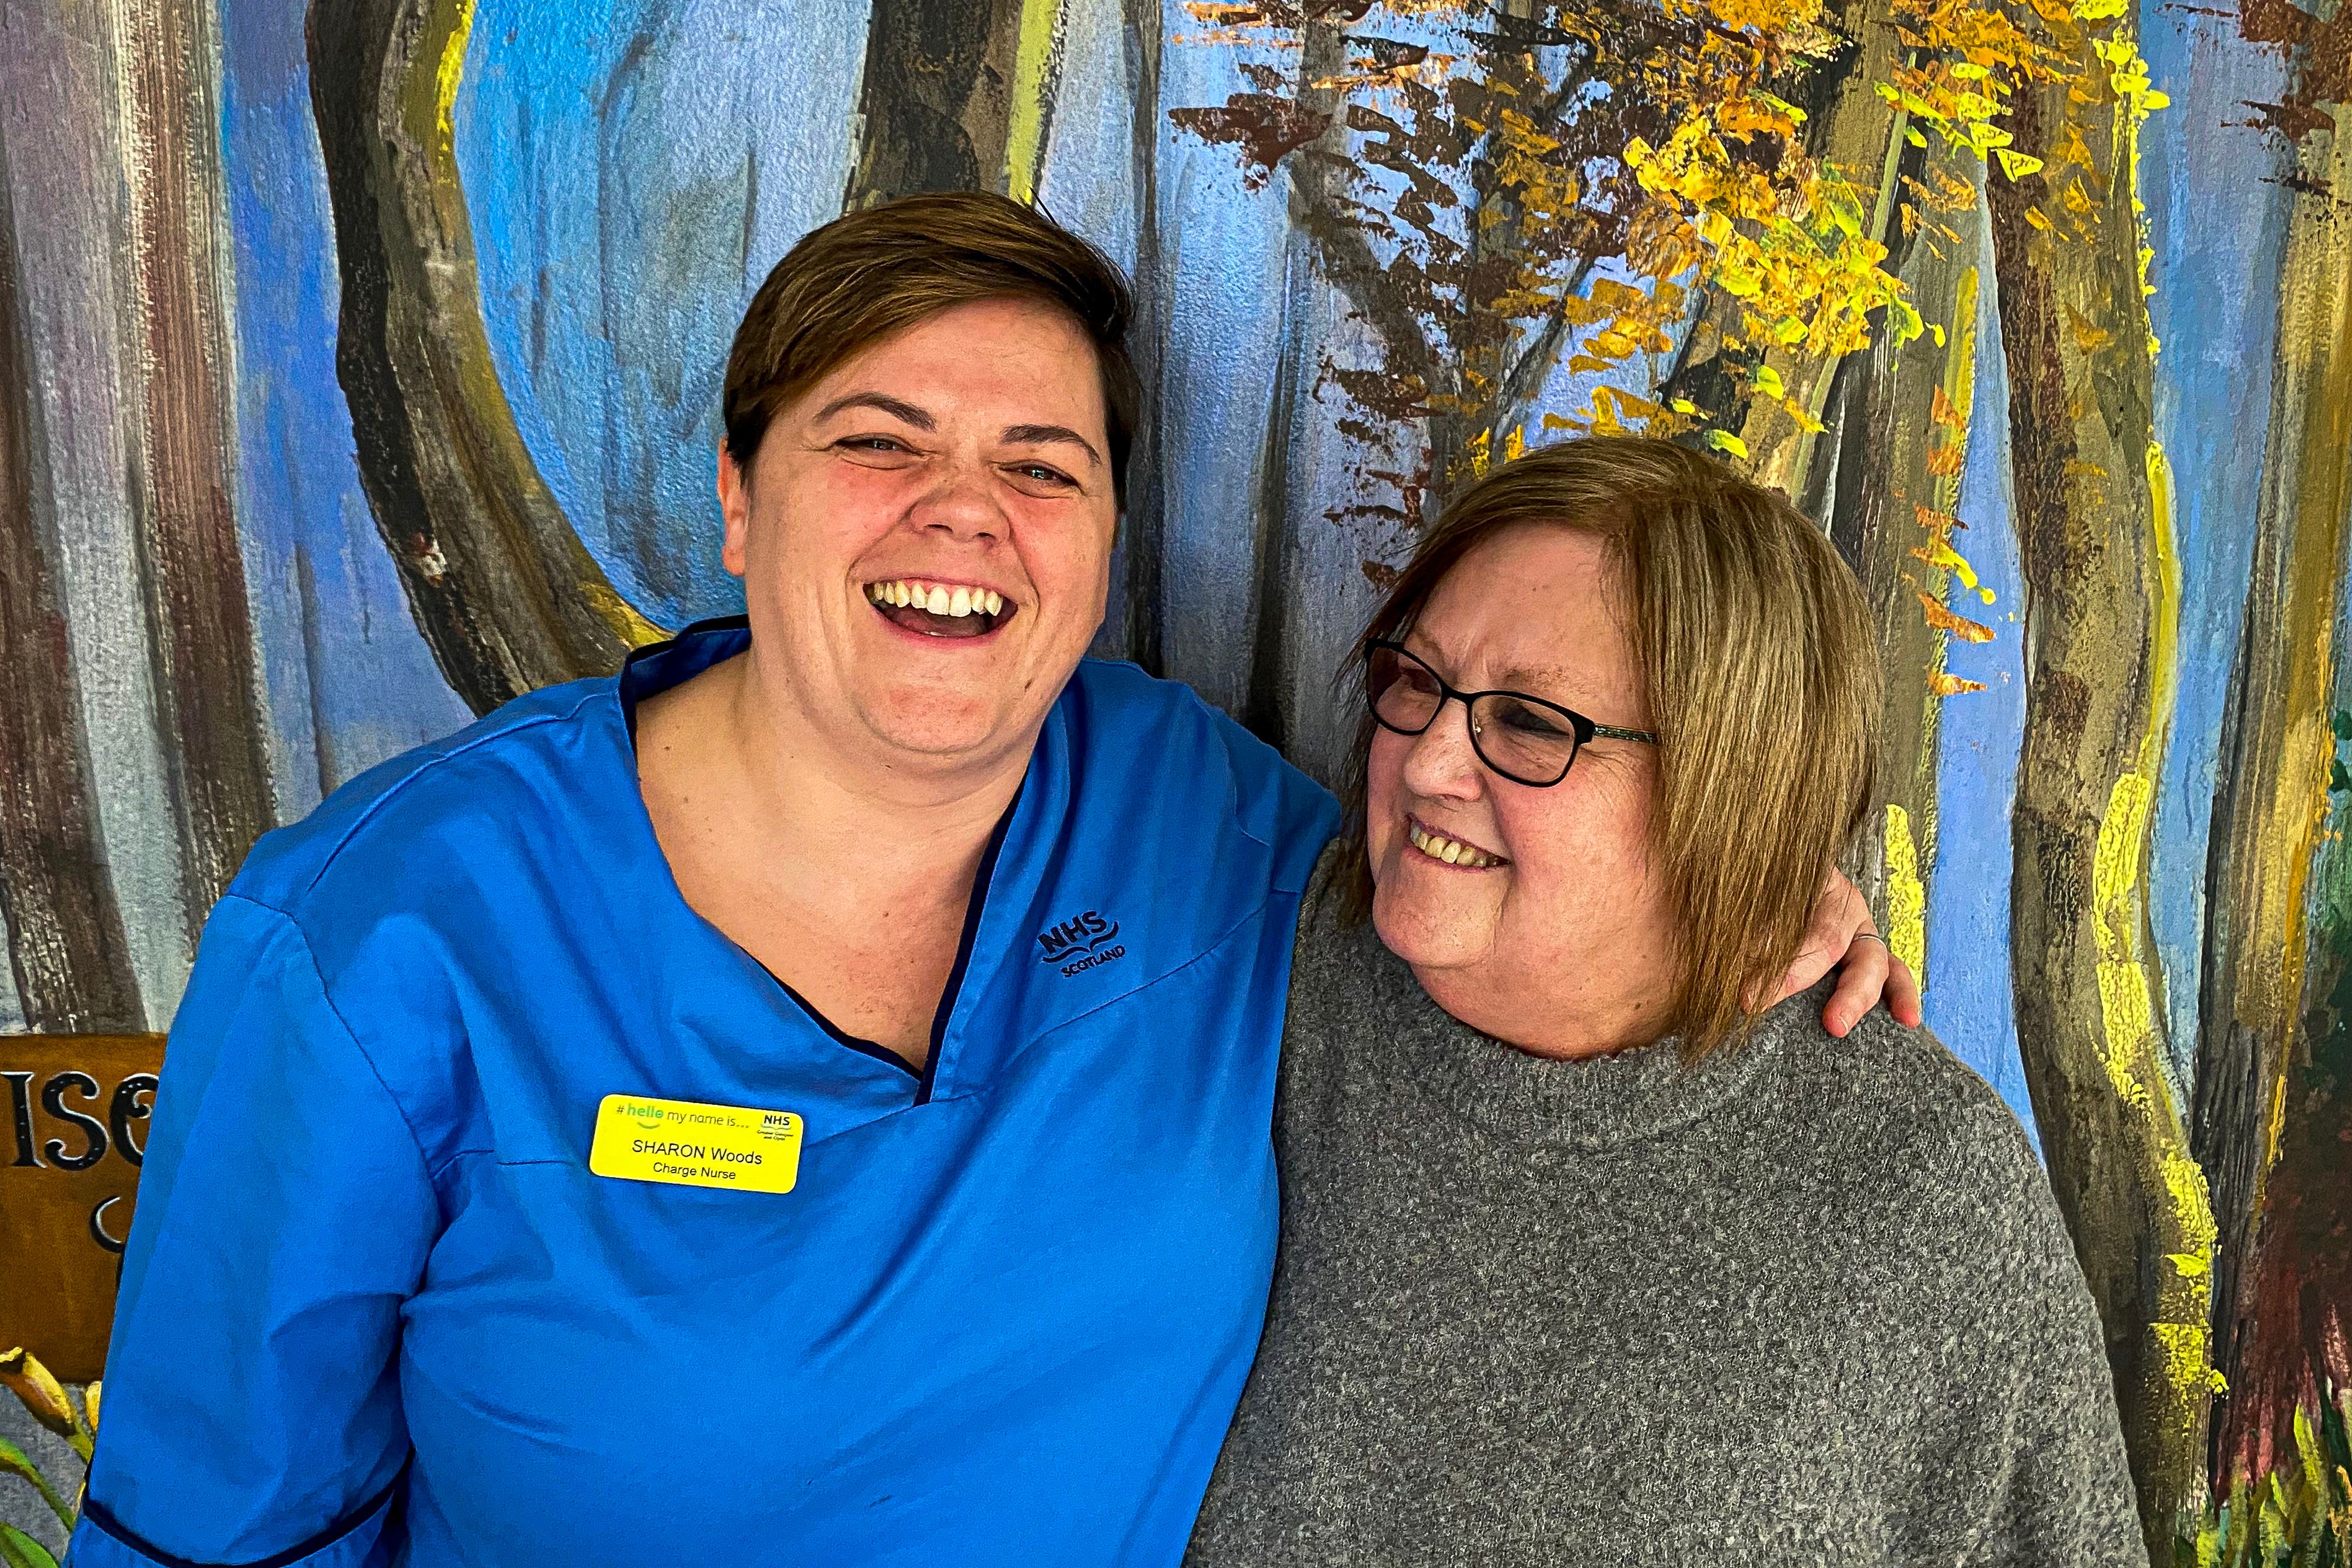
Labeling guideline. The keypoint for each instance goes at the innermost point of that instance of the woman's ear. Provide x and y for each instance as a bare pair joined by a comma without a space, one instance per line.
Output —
735,508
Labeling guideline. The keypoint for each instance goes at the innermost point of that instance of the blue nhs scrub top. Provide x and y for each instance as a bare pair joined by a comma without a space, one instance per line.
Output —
376,1308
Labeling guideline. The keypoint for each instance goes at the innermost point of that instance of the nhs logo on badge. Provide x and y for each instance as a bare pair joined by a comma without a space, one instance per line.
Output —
1083,942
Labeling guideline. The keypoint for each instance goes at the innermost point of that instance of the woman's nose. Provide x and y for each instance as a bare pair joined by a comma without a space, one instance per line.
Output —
962,504
1442,763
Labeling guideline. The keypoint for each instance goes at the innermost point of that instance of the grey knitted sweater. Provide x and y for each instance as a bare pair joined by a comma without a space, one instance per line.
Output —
1808,1302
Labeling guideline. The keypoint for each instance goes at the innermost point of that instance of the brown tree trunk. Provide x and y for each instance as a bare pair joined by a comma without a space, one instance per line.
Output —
1141,619
200,627
937,99
72,970
1900,438
507,596
2099,611
2283,1210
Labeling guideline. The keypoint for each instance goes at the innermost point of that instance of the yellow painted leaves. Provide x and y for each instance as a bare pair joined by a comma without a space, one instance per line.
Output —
1728,199
1491,219
1790,245
1970,57
1625,320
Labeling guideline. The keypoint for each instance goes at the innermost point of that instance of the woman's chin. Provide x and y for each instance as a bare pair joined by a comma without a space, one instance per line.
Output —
931,721
1428,932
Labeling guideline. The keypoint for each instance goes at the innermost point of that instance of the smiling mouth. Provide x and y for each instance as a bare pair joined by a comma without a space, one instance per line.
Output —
939,609
1451,851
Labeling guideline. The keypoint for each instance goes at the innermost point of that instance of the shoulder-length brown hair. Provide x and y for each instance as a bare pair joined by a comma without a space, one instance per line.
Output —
1762,676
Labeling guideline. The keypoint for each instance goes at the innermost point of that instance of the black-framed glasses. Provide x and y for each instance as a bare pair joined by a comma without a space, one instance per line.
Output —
1524,739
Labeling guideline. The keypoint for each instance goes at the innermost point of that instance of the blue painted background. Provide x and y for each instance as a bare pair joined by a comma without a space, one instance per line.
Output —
632,170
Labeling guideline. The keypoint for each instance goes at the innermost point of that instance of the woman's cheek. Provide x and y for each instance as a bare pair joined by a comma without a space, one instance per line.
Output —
1383,796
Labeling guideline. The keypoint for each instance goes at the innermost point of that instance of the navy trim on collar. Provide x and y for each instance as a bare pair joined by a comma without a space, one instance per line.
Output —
972,912
841,1037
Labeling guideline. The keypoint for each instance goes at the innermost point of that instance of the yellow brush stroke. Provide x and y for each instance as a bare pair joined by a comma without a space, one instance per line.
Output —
2116,870
2179,1326
2164,621
451,73
1938,553
621,615
2127,1009
2124,1015
1032,72
2186,1299
2184,1178
1906,896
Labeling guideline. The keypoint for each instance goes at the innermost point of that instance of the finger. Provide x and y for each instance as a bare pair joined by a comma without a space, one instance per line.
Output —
1903,997
1838,912
1815,959
1861,980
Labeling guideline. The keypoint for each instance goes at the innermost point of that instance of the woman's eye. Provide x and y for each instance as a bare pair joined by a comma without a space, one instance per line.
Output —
1532,720
871,444
1042,474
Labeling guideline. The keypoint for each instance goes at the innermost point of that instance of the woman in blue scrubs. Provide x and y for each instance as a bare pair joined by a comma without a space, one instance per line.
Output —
804,1100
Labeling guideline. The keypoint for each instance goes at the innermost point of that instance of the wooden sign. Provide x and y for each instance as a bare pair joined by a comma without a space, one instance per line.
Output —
73,1128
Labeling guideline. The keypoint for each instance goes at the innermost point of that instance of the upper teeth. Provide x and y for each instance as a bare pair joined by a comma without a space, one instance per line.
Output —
1453,851
939,598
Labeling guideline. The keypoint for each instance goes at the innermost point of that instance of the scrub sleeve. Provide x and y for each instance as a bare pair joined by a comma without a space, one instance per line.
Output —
279,1132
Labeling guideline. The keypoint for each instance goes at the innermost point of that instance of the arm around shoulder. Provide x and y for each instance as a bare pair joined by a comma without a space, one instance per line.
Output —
285,1213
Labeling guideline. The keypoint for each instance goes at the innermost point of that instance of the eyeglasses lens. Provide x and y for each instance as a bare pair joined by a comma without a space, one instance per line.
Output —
1522,741
1405,695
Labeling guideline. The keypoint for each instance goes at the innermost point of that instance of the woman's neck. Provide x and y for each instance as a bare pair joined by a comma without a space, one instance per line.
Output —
1607,1002
853,801
850,879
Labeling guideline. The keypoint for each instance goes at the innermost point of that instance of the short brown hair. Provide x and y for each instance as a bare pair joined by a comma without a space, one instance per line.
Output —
868,274
1755,644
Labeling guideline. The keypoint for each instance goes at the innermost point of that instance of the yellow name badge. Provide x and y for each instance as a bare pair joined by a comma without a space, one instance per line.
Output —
691,1145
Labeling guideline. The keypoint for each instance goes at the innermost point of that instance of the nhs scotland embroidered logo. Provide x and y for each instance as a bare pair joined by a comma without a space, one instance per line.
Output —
1083,942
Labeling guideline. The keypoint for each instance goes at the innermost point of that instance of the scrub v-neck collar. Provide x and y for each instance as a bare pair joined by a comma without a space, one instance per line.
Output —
655,668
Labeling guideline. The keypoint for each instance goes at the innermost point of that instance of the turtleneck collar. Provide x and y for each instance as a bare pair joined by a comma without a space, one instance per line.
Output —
1594,1103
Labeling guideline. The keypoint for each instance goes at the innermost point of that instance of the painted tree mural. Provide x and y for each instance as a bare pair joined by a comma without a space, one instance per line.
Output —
368,358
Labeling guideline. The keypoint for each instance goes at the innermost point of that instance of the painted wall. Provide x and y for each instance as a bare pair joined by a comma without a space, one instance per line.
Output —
363,366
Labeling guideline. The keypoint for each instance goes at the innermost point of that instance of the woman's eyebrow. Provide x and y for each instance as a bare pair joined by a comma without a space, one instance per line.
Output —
1515,677
1042,434
1524,678
897,408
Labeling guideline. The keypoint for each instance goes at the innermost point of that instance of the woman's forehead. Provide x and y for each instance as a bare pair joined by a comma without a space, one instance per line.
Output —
1529,610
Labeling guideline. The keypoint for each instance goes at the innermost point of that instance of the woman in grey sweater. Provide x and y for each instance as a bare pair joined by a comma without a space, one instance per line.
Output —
1582,1261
